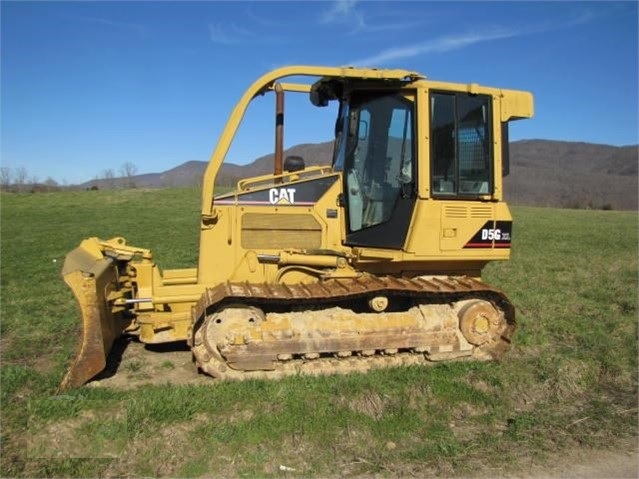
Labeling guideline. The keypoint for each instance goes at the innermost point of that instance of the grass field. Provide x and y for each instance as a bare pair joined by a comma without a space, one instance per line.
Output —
570,380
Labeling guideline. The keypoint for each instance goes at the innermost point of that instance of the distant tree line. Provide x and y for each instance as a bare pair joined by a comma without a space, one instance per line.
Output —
108,180
20,180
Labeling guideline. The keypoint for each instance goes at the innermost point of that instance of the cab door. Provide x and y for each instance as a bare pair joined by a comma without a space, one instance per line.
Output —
379,169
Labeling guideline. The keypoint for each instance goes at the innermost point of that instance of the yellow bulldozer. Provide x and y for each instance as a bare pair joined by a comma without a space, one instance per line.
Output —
373,259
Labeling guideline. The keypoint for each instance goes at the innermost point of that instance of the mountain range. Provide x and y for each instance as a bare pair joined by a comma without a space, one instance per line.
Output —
542,173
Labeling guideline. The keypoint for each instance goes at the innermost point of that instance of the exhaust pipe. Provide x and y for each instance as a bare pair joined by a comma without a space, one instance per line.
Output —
279,130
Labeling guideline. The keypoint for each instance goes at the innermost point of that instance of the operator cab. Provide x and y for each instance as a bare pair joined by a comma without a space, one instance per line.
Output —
376,148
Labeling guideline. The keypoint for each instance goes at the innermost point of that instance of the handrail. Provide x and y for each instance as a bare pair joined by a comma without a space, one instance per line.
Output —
259,181
264,83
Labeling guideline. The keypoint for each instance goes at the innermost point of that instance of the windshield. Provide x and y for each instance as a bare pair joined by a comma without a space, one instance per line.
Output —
341,136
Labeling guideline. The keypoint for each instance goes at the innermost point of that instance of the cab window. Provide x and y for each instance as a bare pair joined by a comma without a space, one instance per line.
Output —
461,144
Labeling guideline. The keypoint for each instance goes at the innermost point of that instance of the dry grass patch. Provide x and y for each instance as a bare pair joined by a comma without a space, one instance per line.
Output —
370,404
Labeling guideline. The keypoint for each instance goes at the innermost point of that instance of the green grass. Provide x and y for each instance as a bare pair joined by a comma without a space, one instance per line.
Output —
570,380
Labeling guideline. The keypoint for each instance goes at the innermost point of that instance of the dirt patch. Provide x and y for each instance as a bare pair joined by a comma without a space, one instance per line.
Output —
622,462
95,430
132,364
372,405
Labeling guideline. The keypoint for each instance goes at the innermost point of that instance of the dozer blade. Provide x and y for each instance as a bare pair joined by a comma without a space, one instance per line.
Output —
93,278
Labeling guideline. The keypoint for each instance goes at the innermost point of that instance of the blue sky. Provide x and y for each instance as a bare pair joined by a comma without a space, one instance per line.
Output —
88,86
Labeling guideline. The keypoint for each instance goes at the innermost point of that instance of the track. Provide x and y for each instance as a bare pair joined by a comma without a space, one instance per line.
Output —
246,331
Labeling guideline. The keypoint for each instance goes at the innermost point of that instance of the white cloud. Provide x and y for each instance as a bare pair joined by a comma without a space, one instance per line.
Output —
438,45
347,14
457,41
343,12
585,17
339,12
229,34
133,27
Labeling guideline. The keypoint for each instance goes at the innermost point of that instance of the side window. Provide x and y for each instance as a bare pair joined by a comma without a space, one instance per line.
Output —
400,146
461,153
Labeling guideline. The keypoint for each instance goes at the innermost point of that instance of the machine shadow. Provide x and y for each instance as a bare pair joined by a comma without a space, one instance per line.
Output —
115,358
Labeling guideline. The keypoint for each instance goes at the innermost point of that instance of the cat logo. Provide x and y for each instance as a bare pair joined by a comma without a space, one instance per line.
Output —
281,196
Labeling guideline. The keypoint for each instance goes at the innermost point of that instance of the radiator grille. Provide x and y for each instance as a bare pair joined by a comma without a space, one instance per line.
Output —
464,211
280,231
455,211
481,212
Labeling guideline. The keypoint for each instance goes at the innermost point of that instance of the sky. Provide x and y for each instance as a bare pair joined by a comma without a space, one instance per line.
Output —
89,86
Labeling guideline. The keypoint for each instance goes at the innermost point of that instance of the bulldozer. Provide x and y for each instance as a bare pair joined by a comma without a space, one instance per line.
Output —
371,259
